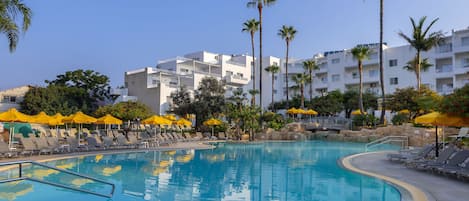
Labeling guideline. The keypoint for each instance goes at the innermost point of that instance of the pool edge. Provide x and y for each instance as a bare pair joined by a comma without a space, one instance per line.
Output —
415,193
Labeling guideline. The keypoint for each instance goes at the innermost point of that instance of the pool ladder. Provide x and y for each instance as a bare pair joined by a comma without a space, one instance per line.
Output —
21,177
402,140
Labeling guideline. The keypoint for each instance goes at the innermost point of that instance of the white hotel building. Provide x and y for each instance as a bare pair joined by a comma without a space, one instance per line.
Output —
338,70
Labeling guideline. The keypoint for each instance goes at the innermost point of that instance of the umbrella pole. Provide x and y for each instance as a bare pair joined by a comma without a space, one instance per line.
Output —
10,139
436,141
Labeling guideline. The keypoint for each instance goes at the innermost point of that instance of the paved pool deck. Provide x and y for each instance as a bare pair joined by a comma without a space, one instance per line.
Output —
421,185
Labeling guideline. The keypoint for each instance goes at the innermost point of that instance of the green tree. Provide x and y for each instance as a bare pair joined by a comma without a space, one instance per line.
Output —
9,12
209,99
235,107
181,102
53,99
93,82
412,66
126,111
310,66
288,34
422,40
253,93
301,79
329,104
410,99
457,103
259,4
273,69
361,53
350,101
251,26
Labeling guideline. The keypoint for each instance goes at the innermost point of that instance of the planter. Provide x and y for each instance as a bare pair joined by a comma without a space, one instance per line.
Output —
245,137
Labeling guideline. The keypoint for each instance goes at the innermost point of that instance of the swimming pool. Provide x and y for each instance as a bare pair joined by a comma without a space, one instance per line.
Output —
264,171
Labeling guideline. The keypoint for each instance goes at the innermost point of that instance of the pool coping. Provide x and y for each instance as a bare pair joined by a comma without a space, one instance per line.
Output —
414,192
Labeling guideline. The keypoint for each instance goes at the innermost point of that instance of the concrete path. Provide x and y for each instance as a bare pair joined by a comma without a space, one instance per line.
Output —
436,187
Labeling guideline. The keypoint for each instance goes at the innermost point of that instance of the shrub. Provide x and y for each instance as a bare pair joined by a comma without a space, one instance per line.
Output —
365,120
399,119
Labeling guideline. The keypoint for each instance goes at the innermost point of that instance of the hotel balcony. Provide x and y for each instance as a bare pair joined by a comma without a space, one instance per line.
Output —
461,70
445,71
236,80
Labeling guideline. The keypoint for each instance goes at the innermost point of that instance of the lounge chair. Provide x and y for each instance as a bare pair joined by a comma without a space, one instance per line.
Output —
54,144
409,156
463,132
189,137
73,144
122,141
221,136
441,160
93,143
5,150
454,163
43,146
29,147
108,142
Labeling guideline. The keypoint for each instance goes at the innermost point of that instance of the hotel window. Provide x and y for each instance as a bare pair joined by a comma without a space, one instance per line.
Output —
465,41
448,47
153,82
275,91
323,79
392,62
355,75
373,55
373,73
275,63
465,62
335,61
239,75
394,81
275,77
336,78
229,72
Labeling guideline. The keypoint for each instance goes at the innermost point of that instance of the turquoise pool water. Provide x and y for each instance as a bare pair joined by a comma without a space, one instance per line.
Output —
265,171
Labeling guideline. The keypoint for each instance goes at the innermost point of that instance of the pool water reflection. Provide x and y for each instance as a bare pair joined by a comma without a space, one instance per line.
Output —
264,171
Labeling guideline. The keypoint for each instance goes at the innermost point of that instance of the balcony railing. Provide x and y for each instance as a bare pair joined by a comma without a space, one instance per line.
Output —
444,69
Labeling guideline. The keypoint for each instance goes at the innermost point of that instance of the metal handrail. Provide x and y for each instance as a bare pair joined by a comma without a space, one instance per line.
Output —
393,138
21,177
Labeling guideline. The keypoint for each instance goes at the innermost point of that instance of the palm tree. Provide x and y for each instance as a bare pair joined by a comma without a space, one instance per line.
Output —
253,93
288,34
251,26
273,69
259,4
361,53
412,65
381,68
301,80
422,40
310,66
9,11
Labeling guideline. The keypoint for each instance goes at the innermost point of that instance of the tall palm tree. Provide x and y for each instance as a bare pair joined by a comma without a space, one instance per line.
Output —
288,34
9,11
253,93
259,4
273,69
301,80
422,40
361,53
310,66
381,68
251,26
412,65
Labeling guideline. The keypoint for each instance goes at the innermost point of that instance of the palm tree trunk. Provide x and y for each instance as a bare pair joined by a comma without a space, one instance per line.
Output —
381,68
360,98
273,76
253,98
310,86
417,70
286,75
259,7
302,96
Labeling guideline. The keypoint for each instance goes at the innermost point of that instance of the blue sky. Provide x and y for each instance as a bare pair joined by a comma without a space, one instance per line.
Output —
114,36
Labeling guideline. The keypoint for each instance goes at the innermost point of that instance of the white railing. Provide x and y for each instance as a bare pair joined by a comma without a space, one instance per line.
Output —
402,140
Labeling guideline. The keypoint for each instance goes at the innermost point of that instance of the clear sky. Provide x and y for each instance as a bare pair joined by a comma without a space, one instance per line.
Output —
114,36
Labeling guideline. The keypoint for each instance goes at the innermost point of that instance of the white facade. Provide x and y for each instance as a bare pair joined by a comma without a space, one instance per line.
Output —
153,86
338,71
11,98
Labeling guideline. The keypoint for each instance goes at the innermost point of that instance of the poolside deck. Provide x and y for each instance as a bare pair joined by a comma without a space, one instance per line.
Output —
435,187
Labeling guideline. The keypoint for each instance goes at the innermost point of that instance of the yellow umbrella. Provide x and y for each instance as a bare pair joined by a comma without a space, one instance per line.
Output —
212,122
108,119
157,120
404,111
183,122
12,115
56,120
79,118
439,119
170,117
311,112
357,112
292,111
41,118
